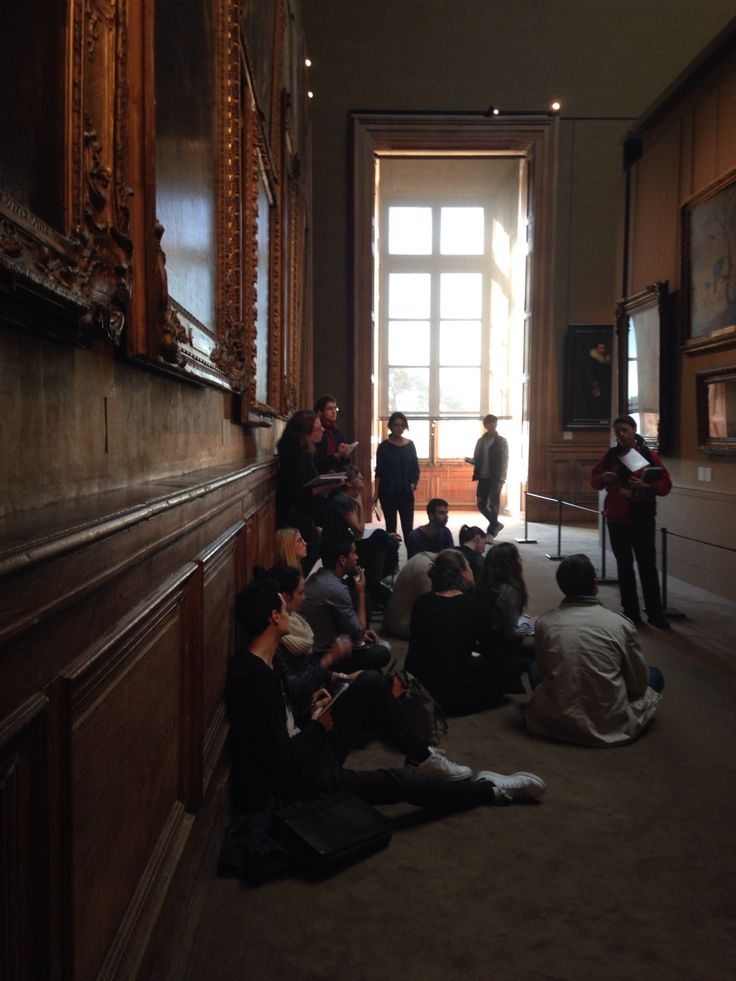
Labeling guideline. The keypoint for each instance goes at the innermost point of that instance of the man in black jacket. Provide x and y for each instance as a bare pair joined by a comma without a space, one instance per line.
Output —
273,761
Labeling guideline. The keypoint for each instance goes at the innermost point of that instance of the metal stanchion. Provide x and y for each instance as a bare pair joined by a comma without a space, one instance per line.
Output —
526,540
556,558
666,610
603,577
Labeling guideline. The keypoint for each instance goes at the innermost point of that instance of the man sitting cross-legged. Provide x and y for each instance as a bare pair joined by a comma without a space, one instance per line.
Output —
329,609
592,685
272,760
435,535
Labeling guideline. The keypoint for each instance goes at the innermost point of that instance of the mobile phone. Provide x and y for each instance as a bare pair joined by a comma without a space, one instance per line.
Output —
343,688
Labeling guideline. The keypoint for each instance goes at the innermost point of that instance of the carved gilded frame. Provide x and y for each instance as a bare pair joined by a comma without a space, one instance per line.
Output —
72,283
163,331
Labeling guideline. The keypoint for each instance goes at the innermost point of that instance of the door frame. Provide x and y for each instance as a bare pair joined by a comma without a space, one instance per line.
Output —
535,138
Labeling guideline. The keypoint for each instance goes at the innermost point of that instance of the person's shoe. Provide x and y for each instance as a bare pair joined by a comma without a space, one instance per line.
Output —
660,621
438,767
498,527
515,786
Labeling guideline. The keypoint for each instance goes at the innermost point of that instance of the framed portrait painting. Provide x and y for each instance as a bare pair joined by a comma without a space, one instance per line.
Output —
588,377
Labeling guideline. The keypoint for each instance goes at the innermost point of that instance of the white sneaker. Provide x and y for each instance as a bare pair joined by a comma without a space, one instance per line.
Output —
516,786
438,767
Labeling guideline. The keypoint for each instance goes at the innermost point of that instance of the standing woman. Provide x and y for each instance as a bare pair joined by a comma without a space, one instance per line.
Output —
296,505
397,475
629,509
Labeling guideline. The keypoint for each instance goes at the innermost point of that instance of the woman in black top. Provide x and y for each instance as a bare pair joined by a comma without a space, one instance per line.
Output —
445,626
296,505
472,545
397,475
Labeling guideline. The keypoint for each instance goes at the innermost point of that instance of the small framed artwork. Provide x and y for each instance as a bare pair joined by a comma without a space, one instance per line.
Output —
708,270
588,369
716,400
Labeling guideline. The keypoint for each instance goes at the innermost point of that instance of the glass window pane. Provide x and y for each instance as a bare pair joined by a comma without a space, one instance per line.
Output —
409,296
408,390
461,231
460,342
461,296
410,231
460,389
420,436
456,438
408,342
499,307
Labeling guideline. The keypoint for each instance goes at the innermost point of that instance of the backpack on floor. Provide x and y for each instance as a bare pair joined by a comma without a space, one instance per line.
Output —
422,710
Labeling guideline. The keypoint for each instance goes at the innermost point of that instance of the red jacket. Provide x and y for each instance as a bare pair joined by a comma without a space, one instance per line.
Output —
619,497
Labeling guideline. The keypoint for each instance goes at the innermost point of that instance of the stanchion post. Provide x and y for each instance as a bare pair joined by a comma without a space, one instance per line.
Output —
668,611
556,558
526,540
603,577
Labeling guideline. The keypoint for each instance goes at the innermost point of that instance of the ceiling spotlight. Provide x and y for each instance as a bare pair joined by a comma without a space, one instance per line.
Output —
493,111
310,95
308,62
555,107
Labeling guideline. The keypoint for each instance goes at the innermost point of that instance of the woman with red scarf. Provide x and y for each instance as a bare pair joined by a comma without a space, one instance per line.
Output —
333,452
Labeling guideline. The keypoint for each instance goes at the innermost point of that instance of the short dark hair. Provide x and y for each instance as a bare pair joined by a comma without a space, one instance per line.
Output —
286,577
397,415
629,420
489,418
330,551
434,503
576,576
446,572
468,532
322,401
255,604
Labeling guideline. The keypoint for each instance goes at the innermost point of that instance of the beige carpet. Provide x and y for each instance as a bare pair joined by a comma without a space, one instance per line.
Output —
626,870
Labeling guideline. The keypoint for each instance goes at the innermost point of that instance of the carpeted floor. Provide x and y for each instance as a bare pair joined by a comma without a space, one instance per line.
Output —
626,870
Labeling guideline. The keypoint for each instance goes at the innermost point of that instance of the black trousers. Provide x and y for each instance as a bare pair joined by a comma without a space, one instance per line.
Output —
395,786
636,540
488,499
367,707
403,504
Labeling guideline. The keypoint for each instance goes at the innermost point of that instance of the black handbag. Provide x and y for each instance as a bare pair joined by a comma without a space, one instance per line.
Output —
331,831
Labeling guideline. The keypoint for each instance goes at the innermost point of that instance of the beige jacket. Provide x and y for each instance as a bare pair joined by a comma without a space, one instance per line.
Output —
594,687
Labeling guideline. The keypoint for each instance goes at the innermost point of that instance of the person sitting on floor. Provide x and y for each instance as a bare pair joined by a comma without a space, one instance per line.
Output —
329,610
412,581
291,549
435,535
593,687
502,590
443,640
472,544
273,761
367,706
378,554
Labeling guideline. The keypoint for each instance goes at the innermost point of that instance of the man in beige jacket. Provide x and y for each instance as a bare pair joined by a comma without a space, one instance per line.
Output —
594,687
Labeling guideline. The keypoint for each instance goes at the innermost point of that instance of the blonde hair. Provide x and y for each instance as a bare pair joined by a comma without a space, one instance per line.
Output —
285,543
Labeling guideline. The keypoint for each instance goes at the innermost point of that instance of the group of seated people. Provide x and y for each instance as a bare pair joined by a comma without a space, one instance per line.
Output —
304,637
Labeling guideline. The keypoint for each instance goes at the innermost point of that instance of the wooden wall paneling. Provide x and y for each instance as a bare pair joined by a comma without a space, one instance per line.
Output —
219,567
24,858
123,703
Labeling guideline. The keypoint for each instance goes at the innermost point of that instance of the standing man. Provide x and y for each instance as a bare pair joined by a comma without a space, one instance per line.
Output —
490,463
435,535
333,452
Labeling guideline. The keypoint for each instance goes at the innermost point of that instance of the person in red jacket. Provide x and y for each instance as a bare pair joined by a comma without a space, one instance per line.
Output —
633,476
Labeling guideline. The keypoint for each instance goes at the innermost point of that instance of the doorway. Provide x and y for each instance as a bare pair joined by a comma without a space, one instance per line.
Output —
449,288
529,142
